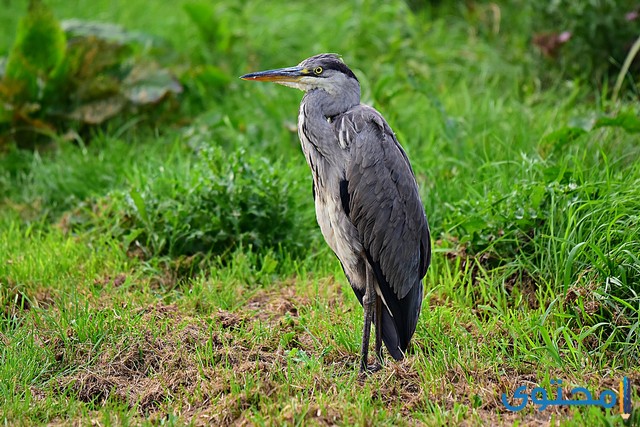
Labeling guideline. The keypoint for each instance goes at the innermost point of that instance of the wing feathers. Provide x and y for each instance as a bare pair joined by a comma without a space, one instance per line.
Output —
384,202
385,208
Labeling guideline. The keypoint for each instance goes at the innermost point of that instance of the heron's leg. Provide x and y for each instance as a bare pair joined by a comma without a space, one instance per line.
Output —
368,304
379,328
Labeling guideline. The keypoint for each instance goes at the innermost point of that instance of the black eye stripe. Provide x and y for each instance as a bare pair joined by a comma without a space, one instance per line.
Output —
341,67
328,62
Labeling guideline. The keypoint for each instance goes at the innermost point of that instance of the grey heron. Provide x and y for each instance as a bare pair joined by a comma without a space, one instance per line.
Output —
366,199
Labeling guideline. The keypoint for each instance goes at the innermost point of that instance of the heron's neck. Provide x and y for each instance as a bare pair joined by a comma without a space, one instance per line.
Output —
320,102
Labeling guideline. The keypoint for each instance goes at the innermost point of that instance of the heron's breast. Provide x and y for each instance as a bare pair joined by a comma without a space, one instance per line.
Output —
341,235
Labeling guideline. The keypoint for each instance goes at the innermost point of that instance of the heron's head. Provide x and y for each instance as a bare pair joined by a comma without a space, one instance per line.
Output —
325,71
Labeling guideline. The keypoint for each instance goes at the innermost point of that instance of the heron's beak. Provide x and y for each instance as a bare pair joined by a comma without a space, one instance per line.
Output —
290,74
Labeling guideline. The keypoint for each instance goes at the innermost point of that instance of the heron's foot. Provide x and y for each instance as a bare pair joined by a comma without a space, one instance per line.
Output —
374,367
366,369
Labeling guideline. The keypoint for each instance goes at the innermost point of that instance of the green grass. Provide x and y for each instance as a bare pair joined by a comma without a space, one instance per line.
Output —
174,273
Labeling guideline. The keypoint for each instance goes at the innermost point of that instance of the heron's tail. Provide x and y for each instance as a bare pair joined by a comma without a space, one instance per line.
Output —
399,320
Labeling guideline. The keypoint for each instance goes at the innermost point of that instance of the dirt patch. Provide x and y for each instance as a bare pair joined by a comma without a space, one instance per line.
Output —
230,407
327,416
144,371
161,311
526,285
400,382
148,370
189,363
116,281
229,320
271,305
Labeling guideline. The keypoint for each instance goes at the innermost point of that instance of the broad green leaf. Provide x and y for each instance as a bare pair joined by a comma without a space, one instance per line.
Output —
38,51
77,28
148,84
98,111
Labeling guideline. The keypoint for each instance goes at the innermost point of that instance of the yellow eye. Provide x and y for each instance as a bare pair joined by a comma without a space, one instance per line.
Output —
318,70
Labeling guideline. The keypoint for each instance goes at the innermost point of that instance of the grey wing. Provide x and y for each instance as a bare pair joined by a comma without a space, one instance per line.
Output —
385,207
384,203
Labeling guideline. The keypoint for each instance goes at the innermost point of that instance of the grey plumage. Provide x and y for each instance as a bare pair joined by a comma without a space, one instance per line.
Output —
367,201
